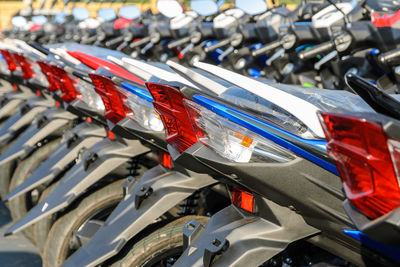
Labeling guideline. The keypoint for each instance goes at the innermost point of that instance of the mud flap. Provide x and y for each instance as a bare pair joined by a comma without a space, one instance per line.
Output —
157,191
234,237
19,120
83,136
103,158
53,119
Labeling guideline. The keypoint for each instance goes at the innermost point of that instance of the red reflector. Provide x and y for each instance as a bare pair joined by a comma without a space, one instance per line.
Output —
15,87
364,161
243,199
58,104
26,67
89,120
38,93
69,92
115,108
386,20
168,102
110,135
121,23
46,69
165,159
9,59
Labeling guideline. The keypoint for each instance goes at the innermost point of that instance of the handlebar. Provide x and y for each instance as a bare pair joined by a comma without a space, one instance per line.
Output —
390,58
114,41
141,42
266,48
218,45
316,50
179,42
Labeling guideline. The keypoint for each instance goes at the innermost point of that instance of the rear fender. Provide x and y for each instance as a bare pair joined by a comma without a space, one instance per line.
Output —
240,238
96,163
157,191
83,136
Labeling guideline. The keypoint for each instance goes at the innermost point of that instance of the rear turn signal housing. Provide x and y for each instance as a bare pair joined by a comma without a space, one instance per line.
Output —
168,102
368,162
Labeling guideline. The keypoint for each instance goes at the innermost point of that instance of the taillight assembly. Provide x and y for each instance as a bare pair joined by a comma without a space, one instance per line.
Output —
228,138
115,108
69,92
243,199
26,67
12,66
141,106
368,162
46,70
168,101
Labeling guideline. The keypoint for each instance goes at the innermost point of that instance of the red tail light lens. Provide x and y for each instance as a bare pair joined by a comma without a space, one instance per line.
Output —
12,66
165,159
243,199
168,102
367,161
26,68
46,69
69,92
115,108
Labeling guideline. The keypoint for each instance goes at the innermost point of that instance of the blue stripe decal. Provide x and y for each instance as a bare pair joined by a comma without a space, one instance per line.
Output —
303,23
227,112
137,91
389,251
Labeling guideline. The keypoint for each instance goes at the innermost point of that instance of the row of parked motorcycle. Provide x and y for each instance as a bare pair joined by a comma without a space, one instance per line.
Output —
253,135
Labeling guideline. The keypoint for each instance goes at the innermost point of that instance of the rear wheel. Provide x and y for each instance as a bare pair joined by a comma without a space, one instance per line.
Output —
22,204
62,240
6,171
161,248
41,228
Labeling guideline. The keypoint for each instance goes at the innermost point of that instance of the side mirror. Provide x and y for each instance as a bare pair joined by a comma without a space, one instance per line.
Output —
129,12
107,14
206,7
169,8
60,18
253,7
39,20
80,13
18,21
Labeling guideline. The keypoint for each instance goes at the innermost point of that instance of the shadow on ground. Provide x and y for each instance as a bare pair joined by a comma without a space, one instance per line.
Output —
15,250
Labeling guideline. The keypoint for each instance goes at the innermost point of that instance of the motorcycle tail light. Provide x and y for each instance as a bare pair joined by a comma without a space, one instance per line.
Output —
12,66
115,108
67,84
231,140
142,110
26,68
243,199
168,102
46,70
368,162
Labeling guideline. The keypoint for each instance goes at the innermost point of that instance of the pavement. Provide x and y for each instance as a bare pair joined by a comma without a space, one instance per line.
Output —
15,250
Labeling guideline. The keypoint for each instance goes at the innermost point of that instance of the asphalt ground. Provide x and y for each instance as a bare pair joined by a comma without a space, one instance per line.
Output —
15,250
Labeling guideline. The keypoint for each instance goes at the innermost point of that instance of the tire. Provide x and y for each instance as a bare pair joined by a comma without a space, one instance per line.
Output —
164,242
103,201
6,172
42,228
21,205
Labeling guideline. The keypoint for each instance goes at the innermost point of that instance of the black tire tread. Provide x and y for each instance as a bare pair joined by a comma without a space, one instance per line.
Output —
167,237
54,253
